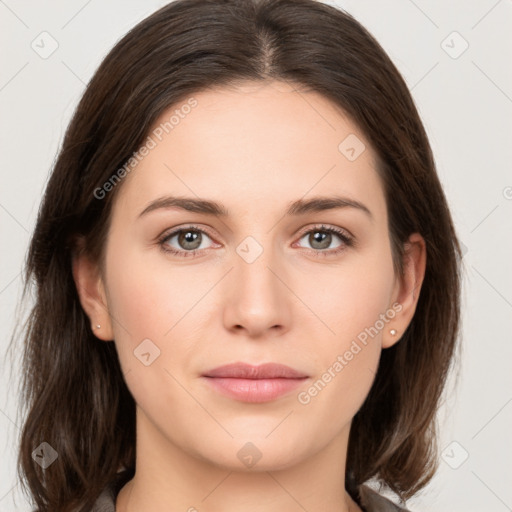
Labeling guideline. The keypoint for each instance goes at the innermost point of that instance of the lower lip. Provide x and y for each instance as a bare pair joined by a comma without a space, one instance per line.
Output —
254,390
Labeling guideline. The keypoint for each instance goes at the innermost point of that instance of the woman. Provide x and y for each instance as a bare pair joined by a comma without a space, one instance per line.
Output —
238,260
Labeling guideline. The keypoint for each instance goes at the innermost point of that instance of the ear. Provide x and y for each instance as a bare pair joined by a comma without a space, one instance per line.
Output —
407,288
91,291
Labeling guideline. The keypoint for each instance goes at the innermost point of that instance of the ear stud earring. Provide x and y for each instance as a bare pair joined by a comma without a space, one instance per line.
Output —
392,332
98,326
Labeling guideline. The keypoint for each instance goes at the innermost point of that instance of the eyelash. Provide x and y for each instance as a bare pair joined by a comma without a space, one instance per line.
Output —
348,241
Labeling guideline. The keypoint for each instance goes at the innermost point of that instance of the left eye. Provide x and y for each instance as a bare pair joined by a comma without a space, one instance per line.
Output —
323,237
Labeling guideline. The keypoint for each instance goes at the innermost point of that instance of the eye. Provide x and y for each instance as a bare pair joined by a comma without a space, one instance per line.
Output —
321,237
189,239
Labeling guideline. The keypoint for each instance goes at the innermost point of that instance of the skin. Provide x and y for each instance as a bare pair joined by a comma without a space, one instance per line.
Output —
255,148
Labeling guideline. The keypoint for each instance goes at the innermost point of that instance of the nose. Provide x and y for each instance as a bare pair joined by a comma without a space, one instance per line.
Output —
257,299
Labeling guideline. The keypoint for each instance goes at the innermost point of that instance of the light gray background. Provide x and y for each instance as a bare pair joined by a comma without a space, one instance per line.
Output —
466,105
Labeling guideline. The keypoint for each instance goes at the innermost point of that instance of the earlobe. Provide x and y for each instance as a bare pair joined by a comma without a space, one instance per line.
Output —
407,288
91,291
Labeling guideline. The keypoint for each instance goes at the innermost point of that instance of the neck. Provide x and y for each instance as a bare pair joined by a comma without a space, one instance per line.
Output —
169,478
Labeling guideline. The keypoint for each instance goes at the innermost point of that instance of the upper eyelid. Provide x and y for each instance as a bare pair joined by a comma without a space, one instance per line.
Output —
173,232
326,227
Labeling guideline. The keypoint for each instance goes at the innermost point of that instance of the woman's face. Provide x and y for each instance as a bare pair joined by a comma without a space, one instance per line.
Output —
265,284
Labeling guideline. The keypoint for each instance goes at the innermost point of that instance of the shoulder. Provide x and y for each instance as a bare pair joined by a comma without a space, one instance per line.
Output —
372,501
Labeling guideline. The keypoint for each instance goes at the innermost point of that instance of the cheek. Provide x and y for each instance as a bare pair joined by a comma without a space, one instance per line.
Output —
346,361
350,299
147,297
356,309
148,315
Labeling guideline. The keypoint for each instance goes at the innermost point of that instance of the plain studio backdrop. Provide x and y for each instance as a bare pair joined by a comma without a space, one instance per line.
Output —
455,56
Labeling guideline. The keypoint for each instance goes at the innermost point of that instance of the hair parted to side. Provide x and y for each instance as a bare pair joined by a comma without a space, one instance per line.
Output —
73,389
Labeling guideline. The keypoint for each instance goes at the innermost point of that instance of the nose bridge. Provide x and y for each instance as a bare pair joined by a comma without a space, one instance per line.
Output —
257,296
256,255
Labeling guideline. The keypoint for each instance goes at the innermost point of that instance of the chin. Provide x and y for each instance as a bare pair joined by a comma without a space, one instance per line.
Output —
258,454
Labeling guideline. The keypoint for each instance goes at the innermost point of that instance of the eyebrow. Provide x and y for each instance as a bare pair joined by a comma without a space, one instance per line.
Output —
296,208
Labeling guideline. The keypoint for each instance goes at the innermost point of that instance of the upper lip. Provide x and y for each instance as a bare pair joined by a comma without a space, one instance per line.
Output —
263,371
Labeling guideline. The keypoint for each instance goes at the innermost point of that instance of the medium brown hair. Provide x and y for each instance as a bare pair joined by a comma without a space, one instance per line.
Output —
73,387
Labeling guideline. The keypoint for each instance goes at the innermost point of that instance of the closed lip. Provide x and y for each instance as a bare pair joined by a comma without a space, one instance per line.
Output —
247,371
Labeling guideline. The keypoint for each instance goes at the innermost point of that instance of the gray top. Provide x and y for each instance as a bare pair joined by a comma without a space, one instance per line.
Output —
370,501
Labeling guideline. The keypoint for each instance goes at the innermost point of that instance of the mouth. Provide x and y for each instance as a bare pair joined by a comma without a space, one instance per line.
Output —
254,384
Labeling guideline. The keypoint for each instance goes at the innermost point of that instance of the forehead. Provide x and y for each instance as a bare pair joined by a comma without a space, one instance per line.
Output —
255,144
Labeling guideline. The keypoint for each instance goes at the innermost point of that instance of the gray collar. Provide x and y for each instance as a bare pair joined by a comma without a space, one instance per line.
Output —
370,501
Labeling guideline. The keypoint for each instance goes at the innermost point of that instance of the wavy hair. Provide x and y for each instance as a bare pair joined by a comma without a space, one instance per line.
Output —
74,396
